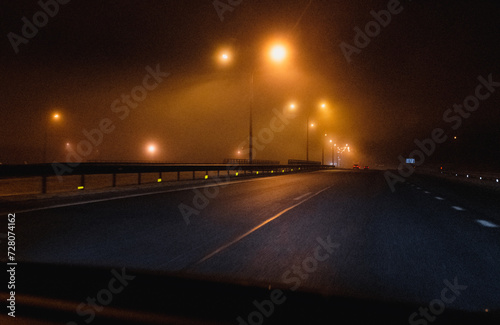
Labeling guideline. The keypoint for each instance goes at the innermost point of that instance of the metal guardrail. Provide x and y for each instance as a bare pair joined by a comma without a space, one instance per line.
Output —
83,169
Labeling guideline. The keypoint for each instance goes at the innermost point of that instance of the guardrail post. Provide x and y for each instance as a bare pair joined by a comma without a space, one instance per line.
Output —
160,175
82,180
139,178
193,174
44,184
218,173
114,180
178,176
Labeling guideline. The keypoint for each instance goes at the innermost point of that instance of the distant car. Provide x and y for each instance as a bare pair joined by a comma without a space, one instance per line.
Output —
366,168
355,166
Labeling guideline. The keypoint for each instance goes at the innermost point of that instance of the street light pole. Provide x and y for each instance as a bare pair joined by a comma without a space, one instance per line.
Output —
45,144
307,140
250,144
56,116
322,154
323,150
331,154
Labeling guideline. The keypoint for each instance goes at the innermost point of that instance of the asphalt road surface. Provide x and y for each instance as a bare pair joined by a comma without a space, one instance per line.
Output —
340,232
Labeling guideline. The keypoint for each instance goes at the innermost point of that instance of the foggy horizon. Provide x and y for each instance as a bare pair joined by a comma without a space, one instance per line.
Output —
394,91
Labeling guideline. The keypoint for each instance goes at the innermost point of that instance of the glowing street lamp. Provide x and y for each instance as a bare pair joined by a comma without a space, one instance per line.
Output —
278,53
225,58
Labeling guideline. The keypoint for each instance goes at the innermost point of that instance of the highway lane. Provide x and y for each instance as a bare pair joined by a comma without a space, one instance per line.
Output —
400,246
372,243
150,231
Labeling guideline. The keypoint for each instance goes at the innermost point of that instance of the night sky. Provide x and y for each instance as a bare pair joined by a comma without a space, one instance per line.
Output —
393,91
